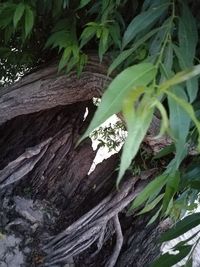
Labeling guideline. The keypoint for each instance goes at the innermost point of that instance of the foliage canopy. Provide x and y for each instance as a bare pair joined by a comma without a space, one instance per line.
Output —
154,48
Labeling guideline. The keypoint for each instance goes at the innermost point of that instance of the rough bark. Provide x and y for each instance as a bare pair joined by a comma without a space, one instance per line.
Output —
41,119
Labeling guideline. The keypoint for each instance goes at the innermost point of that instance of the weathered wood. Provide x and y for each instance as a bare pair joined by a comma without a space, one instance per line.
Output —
45,89
48,108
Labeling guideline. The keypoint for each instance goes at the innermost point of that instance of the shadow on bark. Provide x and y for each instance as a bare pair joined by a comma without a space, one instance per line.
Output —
42,118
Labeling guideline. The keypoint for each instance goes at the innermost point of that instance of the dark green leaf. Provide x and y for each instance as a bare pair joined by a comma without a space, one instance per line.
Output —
29,20
168,260
142,21
18,13
125,54
165,151
171,189
87,34
83,3
181,227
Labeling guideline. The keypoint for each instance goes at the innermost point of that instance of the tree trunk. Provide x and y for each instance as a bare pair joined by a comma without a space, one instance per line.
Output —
41,120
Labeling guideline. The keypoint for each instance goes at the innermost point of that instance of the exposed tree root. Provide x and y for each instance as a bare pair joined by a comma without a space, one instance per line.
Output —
91,227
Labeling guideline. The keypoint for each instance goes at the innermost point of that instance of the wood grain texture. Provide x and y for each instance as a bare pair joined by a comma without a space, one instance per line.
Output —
45,89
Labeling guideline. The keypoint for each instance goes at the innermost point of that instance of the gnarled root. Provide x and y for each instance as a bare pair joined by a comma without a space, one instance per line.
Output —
91,227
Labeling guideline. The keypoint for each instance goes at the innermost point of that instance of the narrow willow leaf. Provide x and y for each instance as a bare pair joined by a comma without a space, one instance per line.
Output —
192,84
29,20
151,205
83,3
126,53
188,108
18,13
185,241
165,122
168,260
103,44
180,77
127,80
181,227
154,217
165,151
188,34
114,31
166,66
142,21
153,187
137,123
87,34
171,189
64,59
179,125
178,117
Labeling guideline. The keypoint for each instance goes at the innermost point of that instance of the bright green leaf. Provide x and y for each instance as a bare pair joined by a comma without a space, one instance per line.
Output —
138,123
151,205
153,187
154,217
180,77
127,80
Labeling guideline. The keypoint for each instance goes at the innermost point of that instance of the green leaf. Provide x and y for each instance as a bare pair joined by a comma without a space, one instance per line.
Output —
142,21
103,44
18,13
168,260
125,54
179,119
87,34
181,227
171,189
179,125
60,39
83,3
165,151
132,77
65,57
164,122
188,108
29,20
151,205
188,33
114,31
154,217
180,77
138,123
192,84
153,187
